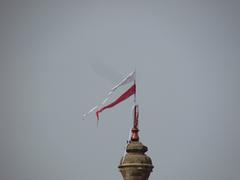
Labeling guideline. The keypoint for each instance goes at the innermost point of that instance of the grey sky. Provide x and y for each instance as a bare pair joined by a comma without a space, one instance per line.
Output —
59,58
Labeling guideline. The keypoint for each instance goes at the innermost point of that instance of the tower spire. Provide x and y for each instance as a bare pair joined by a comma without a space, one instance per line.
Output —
135,164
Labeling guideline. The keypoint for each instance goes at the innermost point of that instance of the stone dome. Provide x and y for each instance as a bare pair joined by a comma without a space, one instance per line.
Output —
136,165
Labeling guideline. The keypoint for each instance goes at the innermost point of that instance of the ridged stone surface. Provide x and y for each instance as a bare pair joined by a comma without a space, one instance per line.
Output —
136,165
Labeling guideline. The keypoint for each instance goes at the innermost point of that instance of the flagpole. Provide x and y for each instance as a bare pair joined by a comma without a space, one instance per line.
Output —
135,100
135,96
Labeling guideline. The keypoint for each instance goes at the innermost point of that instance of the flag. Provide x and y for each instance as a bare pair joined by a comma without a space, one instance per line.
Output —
132,90
127,94
130,78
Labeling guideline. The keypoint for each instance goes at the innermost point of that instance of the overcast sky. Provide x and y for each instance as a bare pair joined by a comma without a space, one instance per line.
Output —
60,58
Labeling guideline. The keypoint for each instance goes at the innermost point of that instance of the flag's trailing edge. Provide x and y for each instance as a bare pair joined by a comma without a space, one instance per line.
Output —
132,90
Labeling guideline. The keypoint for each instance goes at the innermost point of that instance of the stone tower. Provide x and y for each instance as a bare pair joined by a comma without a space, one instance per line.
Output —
135,164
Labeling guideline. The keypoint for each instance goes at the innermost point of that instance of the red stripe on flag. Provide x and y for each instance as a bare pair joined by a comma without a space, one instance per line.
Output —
127,94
